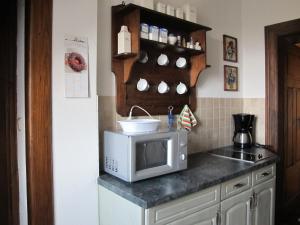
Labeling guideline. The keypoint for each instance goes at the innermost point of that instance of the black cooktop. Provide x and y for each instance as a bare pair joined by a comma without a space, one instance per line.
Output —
252,155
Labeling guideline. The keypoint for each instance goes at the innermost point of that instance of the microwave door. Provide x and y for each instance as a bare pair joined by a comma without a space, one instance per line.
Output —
151,154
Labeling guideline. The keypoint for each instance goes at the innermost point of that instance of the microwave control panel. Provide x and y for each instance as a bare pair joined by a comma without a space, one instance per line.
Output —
111,164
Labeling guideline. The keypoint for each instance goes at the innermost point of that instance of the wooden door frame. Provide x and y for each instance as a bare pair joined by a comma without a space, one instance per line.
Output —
274,109
38,111
274,115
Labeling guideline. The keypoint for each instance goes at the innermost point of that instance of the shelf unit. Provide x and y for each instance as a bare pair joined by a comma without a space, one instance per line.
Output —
128,70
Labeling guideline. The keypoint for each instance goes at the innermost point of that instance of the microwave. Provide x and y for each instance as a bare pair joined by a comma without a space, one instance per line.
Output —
133,157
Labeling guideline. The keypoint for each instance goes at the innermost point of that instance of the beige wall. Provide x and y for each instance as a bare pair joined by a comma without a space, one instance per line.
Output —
256,106
74,120
257,14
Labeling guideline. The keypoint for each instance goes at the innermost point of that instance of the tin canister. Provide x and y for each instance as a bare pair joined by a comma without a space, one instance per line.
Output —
144,31
163,35
153,33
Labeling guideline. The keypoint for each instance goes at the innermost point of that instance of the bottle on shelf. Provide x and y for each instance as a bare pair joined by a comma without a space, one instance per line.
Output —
124,40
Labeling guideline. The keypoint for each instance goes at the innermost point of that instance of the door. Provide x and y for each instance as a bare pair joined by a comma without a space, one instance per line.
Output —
205,217
292,124
263,213
236,210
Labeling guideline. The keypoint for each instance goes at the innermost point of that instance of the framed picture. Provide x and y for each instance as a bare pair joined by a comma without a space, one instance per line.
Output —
230,48
230,78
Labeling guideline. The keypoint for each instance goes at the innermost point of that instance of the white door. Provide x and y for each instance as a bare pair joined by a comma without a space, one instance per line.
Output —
203,217
236,210
263,213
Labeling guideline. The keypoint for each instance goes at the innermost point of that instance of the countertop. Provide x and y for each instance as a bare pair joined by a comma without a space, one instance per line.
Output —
204,170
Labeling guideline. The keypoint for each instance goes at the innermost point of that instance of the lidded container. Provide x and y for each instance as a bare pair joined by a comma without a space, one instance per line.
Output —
124,40
190,13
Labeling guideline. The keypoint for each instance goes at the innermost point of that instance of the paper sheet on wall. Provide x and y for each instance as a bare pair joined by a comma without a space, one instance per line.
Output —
76,67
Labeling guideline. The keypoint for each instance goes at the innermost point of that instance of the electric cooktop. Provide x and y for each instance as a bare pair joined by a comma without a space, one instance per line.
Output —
252,155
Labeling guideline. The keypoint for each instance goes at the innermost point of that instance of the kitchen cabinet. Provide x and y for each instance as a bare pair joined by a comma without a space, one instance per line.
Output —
128,69
245,200
187,210
264,205
236,210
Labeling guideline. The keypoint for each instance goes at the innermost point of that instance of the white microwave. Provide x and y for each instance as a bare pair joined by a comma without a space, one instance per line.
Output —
133,157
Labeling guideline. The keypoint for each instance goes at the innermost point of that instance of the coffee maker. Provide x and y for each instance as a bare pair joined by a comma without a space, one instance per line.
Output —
243,128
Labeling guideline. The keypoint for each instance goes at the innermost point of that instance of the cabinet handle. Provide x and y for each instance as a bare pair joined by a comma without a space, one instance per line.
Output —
252,202
239,185
218,218
255,199
265,174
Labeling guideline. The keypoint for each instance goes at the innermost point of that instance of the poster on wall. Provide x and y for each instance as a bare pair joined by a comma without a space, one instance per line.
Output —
76,67
230,78
230,48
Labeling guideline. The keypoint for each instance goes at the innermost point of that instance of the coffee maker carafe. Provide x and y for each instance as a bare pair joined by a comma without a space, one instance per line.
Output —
243,124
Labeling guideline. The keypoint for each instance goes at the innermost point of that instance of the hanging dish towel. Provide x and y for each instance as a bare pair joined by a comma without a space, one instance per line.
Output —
186,119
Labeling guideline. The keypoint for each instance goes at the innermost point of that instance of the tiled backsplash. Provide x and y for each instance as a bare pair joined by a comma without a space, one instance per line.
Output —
214,115
256,106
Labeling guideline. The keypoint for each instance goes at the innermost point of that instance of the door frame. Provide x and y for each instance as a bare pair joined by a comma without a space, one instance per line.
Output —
38,111
274,108
274,102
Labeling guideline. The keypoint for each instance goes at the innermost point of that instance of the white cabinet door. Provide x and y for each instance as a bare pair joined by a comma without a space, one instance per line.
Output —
204,217
263,213
236,210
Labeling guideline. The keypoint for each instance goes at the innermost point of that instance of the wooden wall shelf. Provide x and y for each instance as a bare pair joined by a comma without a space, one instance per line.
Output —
172,48
128,70
125,55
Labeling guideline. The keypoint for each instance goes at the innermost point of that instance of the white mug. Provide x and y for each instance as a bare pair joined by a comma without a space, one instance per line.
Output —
143,57
179,13
181,88
181,62
163,87
163,60
142,85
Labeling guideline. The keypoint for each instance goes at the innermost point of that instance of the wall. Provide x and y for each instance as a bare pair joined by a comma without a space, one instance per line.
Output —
255,16
75,121
21,144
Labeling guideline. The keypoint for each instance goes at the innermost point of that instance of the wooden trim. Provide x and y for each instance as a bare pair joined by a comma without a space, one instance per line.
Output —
38,96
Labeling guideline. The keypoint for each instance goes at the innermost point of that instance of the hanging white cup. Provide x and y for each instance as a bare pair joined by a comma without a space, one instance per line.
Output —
163,87
181,62
181,89
142,85
163,60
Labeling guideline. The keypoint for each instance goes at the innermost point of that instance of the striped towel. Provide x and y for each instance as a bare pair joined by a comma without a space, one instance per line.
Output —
186,119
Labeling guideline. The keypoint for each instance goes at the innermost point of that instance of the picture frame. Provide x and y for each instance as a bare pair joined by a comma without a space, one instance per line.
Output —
231,78
230,48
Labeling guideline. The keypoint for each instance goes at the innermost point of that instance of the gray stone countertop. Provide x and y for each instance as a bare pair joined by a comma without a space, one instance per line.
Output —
204,170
